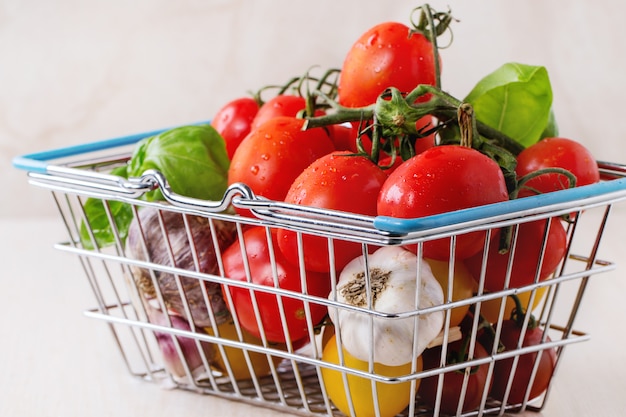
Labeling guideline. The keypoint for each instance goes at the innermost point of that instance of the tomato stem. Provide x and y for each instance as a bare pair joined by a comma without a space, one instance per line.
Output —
518,314
521,183
467,124
431,25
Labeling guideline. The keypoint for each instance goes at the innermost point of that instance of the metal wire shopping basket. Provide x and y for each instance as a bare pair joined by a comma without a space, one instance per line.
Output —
161,337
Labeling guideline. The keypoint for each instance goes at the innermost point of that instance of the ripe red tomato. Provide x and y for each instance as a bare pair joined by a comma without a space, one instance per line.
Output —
287,277
338,181
427,142
443,179
344,137
556,153
387,55
274,154
526,257
510,336
280,105
233,121
453,381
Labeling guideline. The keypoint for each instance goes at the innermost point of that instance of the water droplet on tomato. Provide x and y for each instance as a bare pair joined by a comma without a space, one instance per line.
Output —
372,39
265,157
254,169
268,136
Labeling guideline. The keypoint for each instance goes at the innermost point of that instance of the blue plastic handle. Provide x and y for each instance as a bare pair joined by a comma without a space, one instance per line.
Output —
402,226
38,161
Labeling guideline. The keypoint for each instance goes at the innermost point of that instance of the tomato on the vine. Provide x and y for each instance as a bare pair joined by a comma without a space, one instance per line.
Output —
477,379
272,271
337,181
277,106
421,144
526,257
556,153
391,398
386,55
344,136
275,153
233,121
442,179
510,337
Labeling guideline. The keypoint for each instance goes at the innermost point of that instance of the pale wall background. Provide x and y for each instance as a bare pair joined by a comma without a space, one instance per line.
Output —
75,71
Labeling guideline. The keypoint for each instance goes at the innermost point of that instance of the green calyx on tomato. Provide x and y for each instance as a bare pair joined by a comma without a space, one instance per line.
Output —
512,105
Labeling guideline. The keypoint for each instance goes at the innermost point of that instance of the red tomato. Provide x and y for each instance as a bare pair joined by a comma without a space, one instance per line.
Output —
344,137
526,257
390,164
442,179
453,381
273,155
233,121
556,153
510,336
387,55
427,122
287,277
280,105
330,182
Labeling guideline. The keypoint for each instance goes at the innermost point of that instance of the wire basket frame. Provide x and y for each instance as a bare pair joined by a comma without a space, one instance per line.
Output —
170,329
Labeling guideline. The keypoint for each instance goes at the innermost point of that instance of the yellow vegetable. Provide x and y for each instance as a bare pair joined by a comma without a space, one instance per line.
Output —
236,357
463,286
392,398
490,309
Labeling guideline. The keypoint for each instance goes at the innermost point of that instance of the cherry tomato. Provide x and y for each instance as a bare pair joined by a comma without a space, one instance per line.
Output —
556,153
392,398
274,154
526,257
510,335
287,277
463,286
387,55
236,357
330,182
442,179
233,121
277,106
453,381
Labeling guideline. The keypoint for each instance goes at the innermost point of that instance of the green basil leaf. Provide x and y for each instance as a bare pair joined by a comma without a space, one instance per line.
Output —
99,221
516,99
552,129
193,159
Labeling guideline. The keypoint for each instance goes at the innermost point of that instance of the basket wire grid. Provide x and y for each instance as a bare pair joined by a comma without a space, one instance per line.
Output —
293,376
